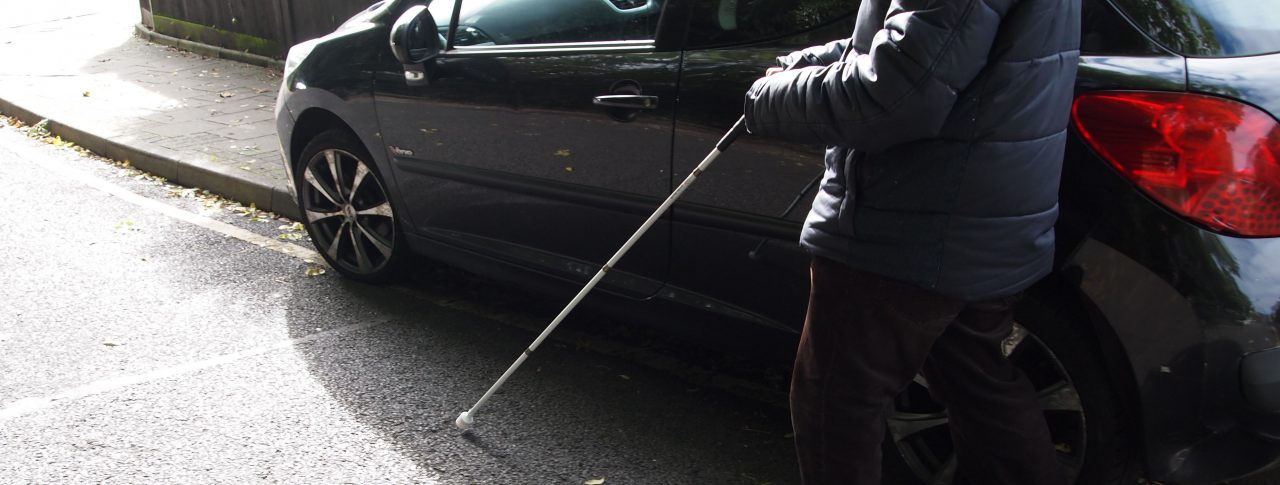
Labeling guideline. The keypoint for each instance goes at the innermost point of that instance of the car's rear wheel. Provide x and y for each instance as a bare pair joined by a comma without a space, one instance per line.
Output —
1079,402
347,208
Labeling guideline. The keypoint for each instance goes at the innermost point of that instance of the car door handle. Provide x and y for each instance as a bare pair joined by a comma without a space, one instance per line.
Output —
626,101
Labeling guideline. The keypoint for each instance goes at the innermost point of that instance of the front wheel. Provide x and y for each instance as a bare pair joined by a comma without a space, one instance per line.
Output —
347,208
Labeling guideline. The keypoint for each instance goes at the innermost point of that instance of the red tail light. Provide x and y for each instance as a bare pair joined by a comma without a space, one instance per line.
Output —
1210,159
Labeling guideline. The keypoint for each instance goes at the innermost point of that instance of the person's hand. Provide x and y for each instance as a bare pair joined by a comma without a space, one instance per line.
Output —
772,70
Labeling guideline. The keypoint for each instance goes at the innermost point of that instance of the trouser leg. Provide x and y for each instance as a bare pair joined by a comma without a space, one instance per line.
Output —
864,339
996,422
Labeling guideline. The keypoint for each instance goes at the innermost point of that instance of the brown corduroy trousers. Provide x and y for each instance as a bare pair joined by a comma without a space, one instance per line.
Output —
865,338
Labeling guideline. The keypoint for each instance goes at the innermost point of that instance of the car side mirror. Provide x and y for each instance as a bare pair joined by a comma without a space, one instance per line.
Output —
416,41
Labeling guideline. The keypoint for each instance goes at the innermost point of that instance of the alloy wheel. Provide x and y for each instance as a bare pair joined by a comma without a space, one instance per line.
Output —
919,425
348,213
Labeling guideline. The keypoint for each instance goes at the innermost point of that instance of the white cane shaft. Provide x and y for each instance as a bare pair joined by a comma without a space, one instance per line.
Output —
657,214
501,380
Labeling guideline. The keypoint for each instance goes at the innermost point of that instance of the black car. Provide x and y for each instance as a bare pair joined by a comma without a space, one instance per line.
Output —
526,139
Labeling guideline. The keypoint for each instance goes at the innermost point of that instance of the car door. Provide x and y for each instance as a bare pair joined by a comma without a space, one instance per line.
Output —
540,136
735,241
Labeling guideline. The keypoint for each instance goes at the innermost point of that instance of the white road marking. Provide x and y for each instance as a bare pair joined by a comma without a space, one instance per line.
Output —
33,404
30,405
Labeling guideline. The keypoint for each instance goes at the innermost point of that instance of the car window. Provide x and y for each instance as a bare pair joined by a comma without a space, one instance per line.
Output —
1104,31
513,22
1209,28
729,22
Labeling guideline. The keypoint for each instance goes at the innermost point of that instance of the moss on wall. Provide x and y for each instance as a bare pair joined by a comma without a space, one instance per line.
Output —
218,37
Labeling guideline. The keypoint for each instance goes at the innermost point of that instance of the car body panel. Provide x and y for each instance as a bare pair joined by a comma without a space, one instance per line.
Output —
1254,80
1186,303
751,204
475,146
543,187
338,81
1188,334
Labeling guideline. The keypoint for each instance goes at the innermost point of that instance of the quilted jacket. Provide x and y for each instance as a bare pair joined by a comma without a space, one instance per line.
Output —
945,124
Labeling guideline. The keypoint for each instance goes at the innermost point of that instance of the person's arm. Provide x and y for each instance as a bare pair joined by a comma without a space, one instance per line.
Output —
818,55
902,89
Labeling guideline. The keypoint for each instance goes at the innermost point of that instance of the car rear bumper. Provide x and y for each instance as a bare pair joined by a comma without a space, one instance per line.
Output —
1195,314
1260,380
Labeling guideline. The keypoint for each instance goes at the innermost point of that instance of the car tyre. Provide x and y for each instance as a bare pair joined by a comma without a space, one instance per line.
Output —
1091,427
347,209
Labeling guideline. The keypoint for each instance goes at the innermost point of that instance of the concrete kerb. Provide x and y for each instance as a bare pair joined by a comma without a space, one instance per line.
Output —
207,50
221,180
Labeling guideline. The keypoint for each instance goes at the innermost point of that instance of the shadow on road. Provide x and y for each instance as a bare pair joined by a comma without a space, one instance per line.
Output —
568,416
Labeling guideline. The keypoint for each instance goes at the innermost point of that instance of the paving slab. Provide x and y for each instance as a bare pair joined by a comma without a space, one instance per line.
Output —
198,120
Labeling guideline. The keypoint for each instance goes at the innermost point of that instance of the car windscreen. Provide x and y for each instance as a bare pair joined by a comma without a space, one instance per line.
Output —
1209,28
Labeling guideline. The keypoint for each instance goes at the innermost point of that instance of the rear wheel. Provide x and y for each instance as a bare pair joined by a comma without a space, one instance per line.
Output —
1080,405
347,209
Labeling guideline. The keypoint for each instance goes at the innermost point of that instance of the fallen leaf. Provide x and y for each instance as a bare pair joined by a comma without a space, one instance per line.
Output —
625,377
112,344
563,152
39,129
57,141
226,94
182,192
126,225
85,94
594,481
293,232
313,271
568,169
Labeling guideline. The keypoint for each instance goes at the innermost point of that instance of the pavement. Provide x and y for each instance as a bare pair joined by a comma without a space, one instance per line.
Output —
192,118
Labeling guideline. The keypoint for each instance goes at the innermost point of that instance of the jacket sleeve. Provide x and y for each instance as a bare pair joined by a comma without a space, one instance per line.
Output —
819,55
901,89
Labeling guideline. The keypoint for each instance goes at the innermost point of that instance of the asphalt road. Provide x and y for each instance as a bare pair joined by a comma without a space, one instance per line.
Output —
140,342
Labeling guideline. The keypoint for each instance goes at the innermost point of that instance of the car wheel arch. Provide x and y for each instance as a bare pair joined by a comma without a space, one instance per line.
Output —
311,123
1057,299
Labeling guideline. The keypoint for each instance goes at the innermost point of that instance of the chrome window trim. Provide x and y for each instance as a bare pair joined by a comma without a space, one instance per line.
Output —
609,47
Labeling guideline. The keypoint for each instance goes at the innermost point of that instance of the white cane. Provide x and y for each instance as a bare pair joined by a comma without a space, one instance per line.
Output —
467,418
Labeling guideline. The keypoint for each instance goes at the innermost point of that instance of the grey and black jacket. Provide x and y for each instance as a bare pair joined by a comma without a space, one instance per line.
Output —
945,122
